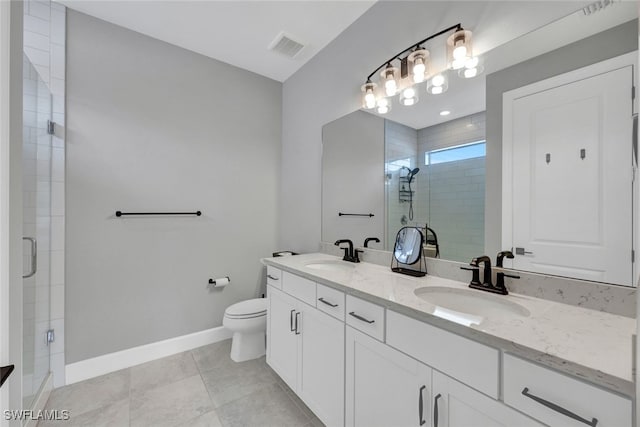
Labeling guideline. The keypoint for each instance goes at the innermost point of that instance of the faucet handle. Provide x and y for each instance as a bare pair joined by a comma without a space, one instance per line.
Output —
356,257
475,279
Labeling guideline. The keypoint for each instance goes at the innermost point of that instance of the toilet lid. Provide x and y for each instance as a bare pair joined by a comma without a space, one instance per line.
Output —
248,308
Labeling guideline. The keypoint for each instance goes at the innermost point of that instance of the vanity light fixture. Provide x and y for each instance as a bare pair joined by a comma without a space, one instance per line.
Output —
415,68
369,97
390,78
420,60
459,48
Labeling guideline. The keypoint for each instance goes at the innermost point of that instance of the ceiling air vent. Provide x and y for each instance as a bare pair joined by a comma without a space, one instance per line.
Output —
596,6
285,45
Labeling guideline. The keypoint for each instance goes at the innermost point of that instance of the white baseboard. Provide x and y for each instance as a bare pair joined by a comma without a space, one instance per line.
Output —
96,366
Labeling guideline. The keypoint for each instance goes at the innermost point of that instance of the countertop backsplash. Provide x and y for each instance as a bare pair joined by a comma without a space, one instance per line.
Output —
612,299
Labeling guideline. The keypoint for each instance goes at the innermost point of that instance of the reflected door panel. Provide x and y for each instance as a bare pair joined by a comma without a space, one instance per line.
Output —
572,179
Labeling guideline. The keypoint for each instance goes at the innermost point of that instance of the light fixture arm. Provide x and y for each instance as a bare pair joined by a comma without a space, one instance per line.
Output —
456,27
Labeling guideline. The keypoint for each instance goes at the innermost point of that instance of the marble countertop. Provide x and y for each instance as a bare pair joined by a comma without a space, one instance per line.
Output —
588,344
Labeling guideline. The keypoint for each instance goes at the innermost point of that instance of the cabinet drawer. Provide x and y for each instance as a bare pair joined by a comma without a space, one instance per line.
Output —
274,277
331,301
559,400
366,317
299,287
469,362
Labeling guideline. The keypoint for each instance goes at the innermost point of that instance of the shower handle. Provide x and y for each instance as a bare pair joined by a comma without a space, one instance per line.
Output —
34,257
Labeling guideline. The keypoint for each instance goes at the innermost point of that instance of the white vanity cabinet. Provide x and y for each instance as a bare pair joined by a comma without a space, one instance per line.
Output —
457,405
306,348
557,399
358,364
282,341
384,387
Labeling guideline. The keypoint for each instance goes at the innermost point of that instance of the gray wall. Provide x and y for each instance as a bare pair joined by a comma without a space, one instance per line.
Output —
607,44
153,127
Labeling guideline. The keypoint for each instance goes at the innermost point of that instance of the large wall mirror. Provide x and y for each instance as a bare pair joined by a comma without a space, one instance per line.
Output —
535,155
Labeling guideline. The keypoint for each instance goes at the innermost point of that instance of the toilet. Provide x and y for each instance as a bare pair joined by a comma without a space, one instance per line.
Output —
248,322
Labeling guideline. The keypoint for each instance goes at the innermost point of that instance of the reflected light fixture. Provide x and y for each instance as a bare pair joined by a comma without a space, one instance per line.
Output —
415,68
437,84
472,68
384,106
409,96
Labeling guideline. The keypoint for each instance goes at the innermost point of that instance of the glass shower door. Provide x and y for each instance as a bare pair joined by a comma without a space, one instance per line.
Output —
36,182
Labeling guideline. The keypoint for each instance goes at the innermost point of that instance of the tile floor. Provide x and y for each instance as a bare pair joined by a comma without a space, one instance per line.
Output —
201,387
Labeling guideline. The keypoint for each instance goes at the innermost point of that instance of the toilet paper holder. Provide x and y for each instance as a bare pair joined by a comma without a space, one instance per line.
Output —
213,282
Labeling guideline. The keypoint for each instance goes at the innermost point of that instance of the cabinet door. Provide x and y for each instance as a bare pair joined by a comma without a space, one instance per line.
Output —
282,341
456,405
321,365
383,386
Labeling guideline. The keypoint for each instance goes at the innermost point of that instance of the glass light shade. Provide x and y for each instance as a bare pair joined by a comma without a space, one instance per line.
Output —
368,95
383,106
420,63
389,76
459,49
409,96
437,84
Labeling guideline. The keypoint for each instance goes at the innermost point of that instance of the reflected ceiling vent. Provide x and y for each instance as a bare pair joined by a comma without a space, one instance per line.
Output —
285,45
596,6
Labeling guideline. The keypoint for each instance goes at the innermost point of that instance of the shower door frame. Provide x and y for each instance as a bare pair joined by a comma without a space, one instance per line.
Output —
5,86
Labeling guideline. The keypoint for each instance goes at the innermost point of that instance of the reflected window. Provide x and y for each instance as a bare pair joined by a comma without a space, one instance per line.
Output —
396,165
454,154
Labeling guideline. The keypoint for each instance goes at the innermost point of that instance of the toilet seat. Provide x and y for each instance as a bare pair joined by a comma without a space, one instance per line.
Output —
248,309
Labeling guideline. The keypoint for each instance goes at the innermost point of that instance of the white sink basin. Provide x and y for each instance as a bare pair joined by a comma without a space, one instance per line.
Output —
329,265
467,306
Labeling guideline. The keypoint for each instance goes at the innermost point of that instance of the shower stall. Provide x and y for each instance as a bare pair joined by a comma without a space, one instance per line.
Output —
36,228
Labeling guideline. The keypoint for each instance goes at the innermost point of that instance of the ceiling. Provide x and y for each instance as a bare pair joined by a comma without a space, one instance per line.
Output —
235,32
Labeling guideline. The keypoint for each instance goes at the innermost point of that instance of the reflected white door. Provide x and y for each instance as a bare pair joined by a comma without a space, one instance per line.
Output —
572,179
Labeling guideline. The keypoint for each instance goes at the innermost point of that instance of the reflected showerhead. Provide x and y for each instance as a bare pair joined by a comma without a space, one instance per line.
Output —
411,173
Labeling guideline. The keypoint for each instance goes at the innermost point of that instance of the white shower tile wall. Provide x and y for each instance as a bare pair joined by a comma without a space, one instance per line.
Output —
400,144
44,46
454,207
